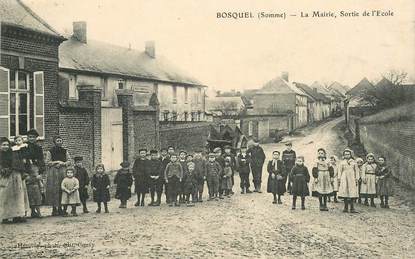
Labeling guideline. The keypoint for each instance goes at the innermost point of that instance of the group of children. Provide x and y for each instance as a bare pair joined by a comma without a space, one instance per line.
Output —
349,179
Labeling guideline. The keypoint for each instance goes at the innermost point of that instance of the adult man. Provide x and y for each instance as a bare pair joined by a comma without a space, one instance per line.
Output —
257,162
288,161
219,158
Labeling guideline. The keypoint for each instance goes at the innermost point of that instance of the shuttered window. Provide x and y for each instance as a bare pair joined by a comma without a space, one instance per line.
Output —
4,102
39,102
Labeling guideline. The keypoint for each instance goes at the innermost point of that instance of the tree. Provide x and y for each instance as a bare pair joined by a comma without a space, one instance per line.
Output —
396,77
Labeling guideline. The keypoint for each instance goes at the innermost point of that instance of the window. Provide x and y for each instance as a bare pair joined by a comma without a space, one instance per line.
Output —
166,115
250,128
186,116
199,95
104,84
21,102
174,116
73,91
186,94
121,84
174,94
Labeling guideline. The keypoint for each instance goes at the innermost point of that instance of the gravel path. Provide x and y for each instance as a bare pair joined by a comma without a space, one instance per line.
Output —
243,226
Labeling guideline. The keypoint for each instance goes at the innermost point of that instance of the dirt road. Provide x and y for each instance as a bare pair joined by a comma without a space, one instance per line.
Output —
243,226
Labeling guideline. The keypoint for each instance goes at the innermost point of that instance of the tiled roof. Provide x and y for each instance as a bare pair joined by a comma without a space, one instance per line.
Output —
14,12
279,86
362,86
314,94
99,57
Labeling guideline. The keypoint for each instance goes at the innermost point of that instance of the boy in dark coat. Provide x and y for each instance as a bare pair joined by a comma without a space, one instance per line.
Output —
190,184
123,179
243,162
173,176
100,184
183,162
228,153
155,168
276,178
82,175
200,174
165,159
140,174
288,159
299,178
221,160
257,162
213,173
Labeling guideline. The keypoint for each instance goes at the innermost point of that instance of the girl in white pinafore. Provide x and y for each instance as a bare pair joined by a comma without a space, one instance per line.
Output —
348,175
335,179
368,189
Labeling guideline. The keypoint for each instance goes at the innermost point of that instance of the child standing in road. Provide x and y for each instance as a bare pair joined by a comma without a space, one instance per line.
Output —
82,175
385,182
276,178
155,171
190,184
70,193
213,173
100,184
183,162
369,180
243,162
299,178
323,174
200,174
348,175
141,176
123,179
288,160
334,180
173,176
359,163
227,177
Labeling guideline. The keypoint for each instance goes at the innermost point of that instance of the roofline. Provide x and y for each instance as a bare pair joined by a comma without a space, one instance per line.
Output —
65,69
37,17
58,36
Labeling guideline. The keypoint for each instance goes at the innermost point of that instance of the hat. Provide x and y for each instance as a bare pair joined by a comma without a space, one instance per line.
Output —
163,149
183,151
78,158
370,155
347,150
198,150
359,160
288,143
211,154
142,149
153,151
217,149
33,132
4,139
125,164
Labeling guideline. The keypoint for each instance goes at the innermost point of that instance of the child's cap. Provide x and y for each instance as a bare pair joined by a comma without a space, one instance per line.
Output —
288,144
163,149
211,154
153,151
359,160
370,155
183,151
125,164
78,159
301,157
217,149
142,149
32,132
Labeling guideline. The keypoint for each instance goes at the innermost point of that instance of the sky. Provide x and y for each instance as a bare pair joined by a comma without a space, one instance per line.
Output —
227,54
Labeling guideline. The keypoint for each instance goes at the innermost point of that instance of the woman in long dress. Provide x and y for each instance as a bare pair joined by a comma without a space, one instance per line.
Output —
57,160
14,203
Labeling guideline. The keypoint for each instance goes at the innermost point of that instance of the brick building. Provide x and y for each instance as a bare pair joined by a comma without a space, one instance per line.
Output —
28,73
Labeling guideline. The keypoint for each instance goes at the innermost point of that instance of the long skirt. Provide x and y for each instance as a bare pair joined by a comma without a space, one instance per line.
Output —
323,185
276,186
54,179
13,197
385,187
71,199
299,186
368,189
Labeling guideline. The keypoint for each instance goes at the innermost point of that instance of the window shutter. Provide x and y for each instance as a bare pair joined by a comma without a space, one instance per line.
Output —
4,102
39,102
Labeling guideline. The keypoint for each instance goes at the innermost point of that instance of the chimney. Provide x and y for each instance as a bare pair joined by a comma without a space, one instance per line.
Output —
284,75
79,31
150,49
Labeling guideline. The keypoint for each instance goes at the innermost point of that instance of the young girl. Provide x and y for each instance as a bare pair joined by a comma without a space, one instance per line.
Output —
359,163
190,184
369,180
70,192
124,180
385,182
14,202
34,185
299,178
100,185
276,178
348,175
323,174
335,181
227,177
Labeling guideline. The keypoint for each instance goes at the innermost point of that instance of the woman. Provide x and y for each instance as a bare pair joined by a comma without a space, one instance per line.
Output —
57,160
14,203
349,176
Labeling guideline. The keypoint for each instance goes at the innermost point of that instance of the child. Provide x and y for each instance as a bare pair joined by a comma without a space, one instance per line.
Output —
288,160
82,175
276,178
348,175
299,178
164,159
200,173
190,184
359,163
100,185
213,173
141,176
243,162
323,174
70,193
189,158
227,177
228,153
385,182
221,160
334,181
156,178
123,179
34,185
183,162
173,176
369,180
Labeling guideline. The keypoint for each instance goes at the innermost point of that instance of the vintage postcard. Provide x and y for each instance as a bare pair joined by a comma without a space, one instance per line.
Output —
207,129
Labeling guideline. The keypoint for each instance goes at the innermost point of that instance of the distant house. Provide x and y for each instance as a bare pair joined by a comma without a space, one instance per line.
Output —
360,88
226,105
316,103
332,102
355,105
279,96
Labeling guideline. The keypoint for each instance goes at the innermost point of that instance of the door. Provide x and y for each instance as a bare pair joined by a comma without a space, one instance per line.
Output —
116,146
112,144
